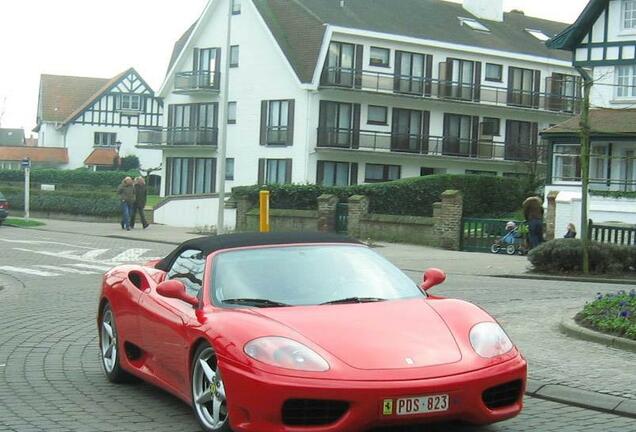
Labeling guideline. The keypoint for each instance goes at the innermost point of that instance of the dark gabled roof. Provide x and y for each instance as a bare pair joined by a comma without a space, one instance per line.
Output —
602,122
210,244
298,26
179,45
12,137
571,36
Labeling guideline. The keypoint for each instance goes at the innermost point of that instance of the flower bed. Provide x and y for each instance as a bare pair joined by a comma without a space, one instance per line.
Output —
613,314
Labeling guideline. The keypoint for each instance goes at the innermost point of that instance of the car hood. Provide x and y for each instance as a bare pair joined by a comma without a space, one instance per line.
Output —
384,335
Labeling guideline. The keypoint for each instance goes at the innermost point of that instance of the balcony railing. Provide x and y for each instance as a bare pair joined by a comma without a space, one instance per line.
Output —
277,135
202,136
449,90
197,81
421,144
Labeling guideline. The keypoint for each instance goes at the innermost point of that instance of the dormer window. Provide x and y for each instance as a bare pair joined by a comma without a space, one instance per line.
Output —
629,14
538,34
473,24
130,102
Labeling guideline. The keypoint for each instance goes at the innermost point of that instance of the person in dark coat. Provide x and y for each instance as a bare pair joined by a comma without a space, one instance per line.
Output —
571,231
140,202
533,212
126,193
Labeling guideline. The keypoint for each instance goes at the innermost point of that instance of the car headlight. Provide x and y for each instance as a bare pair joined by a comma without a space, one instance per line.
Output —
285,353
489,340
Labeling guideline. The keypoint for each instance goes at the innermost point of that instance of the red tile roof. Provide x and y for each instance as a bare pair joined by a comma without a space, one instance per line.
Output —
101,157
603,121
61,95
56,155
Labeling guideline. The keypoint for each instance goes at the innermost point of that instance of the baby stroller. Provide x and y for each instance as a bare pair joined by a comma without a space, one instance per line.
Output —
512,242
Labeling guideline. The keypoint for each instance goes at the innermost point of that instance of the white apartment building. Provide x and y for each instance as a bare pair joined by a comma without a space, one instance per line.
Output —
97,119
339,92
603,42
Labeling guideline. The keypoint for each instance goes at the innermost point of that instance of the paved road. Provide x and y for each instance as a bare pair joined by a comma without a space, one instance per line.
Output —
51,380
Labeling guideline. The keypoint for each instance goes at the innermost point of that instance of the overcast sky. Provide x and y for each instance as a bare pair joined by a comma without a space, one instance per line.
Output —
102,38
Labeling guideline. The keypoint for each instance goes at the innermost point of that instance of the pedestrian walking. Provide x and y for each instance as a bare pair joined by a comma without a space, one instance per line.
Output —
126,193
571,231
140,202
533,212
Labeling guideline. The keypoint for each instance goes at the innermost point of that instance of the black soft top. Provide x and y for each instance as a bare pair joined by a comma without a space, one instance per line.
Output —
210,244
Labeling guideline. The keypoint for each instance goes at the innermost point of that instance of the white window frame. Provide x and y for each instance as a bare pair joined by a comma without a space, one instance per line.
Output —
126,102
234,56
373,56
473,24
557,178
236,7
625,82
628,7
231,112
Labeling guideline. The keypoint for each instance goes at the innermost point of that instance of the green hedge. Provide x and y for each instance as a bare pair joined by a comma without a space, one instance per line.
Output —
79,202
109,179
565,255
483,195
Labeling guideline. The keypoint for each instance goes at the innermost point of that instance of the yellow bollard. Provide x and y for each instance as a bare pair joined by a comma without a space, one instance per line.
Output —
264,211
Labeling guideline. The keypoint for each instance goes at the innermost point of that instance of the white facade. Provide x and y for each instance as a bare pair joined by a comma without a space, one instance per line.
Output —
265,74
104,122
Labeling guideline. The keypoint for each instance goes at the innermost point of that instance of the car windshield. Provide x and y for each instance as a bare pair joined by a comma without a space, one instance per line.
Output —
307,275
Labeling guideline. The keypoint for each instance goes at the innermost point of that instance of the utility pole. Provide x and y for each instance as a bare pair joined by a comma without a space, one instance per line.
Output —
585,166
222,148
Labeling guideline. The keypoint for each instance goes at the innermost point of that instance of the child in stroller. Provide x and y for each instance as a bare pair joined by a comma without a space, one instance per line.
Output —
511,242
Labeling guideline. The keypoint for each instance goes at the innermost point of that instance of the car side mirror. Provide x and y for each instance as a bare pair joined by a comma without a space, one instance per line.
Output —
176,289
432,277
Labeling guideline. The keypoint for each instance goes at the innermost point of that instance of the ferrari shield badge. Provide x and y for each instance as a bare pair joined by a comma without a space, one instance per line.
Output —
387,407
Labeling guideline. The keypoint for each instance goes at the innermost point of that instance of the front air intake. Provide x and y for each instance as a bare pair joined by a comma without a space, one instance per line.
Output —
503,395
313,412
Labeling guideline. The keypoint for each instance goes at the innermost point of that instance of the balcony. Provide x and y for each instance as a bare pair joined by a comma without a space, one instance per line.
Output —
429,88
178,137
195,82
347,139
277,135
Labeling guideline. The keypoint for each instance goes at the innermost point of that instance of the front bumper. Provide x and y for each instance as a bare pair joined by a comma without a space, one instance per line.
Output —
256,399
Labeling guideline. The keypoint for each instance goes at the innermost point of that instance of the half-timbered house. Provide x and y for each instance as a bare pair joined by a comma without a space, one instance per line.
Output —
603,43
83,114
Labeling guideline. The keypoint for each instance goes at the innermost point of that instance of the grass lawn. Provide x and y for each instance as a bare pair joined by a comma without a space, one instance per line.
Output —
21,223
152,200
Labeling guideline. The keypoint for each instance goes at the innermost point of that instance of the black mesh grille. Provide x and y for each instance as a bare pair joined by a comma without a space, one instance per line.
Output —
503,395
312,412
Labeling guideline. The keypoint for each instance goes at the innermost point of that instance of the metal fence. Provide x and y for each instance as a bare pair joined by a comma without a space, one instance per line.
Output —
478,235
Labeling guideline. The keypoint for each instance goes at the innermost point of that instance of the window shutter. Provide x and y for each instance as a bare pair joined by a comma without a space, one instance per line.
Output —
213,176
288,171
190,164
475,136
263,131
355,139
533,154
195,59
398,71
168,190
261,171
215,79
320,172
511,74
357,74
477,87
353,176
290,122
512,138
537,89
428,75
426,124
96,138
443,87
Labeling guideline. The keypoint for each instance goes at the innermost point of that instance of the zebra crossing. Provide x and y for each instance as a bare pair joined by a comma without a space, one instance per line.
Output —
80,260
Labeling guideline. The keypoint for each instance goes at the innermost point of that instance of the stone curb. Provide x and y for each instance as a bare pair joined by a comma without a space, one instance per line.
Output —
582,398
565,279
571,328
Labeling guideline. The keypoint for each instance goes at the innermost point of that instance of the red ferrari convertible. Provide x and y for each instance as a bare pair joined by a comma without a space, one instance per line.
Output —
304,332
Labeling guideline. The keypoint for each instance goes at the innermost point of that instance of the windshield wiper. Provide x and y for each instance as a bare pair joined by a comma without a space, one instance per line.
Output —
255,302
354,300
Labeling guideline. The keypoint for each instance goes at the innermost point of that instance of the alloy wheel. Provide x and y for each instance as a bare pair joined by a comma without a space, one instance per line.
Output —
208,391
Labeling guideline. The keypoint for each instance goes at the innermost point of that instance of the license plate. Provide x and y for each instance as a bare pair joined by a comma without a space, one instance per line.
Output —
422,404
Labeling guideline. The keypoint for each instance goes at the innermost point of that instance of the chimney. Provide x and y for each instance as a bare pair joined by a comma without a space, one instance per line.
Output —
491,10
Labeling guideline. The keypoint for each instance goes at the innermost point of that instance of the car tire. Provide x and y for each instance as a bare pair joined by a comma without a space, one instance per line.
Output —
208,391
109,348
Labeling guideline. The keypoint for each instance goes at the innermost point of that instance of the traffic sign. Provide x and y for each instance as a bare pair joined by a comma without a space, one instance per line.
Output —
25,163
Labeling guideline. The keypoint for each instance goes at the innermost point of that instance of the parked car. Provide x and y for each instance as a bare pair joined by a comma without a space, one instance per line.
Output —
4,208
304,331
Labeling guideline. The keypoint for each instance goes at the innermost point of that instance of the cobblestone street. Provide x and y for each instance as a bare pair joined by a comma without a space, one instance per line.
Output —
51,379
